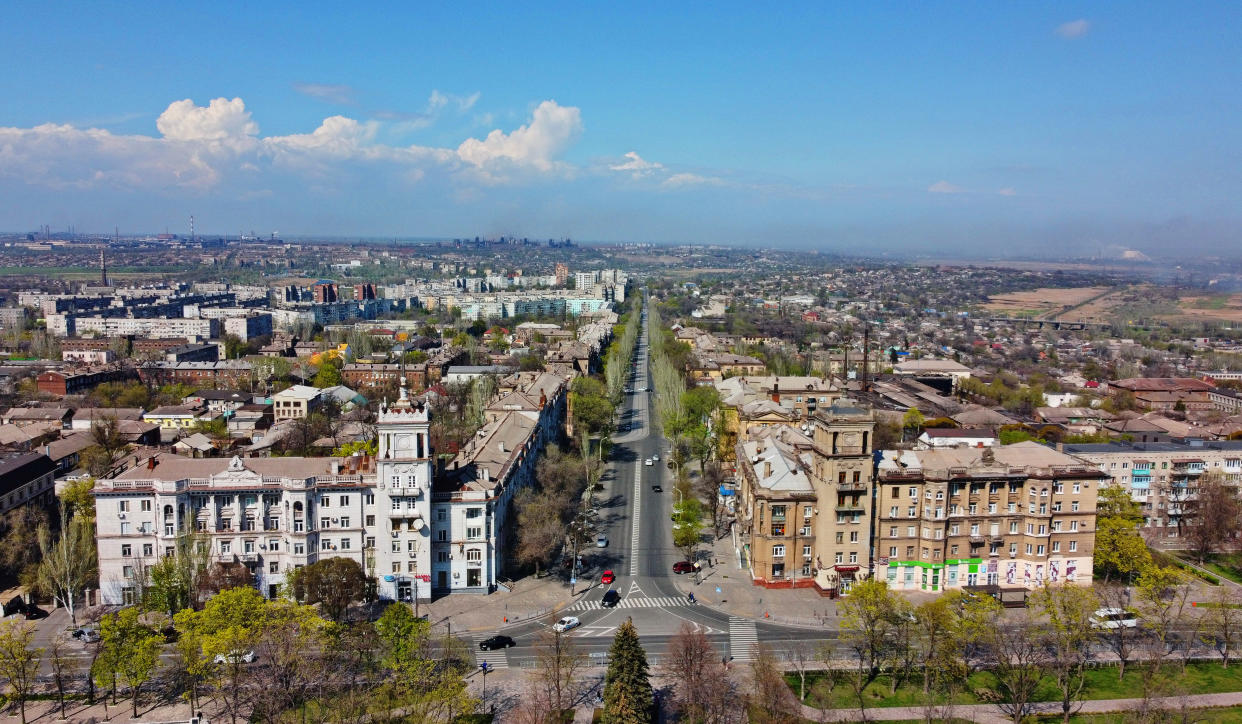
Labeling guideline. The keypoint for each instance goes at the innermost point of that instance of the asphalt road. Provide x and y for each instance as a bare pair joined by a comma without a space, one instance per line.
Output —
641,554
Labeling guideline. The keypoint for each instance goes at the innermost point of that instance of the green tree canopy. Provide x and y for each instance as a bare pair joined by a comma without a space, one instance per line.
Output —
627,685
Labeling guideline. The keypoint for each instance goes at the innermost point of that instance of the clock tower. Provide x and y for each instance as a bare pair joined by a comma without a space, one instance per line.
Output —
404,468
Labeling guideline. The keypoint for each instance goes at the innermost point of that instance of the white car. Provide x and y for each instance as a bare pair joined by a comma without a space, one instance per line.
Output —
565,624
601,542
655,457
1113,618
246,657
647,461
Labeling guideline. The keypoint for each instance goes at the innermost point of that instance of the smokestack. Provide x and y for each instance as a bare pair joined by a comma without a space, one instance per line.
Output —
151,463
866,356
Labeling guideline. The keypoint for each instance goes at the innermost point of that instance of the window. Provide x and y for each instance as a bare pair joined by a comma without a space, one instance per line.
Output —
125,529
127,571
778,551
474,555
806,551
892,532
924,553
440,514
344,500
1074,506
914,492
1013,526
912,512
953,549
991,507
370,521
857,476
1056,546
841,537
1039,551
127,550
892,512
325,523
396,566
473,512
974,529
396,504
325,544
853,536
909,552
396,546
148,549
473,533
853,557
442,535
122,506
299,549
896,492
344,544
1030,529
1073,526
892,551
442,557
369,499
1013,507
1078,485
226,547
1056,526
344,521
273,567
273,545
369,542
955,529
248,546
1028,549
839,558
1073,545
145,506
1043,529
411,546
325,501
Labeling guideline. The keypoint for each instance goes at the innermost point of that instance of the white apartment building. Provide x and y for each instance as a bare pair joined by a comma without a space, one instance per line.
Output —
66,325
276,514
1162,476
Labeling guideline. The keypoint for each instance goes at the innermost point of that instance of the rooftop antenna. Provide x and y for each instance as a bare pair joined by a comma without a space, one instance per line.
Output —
192,227
103,268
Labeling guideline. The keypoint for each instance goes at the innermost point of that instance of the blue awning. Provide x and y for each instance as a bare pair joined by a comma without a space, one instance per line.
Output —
727,491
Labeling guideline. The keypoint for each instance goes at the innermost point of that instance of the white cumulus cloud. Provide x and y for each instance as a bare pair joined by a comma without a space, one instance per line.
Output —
944,187
339,94
1074,28
221,122
637,165
538,144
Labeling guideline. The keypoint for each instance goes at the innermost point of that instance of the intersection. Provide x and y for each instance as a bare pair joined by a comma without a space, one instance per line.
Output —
635,519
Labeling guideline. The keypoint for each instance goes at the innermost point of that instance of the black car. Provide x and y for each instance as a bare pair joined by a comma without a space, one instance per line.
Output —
611,598
657,489
496,642
33,612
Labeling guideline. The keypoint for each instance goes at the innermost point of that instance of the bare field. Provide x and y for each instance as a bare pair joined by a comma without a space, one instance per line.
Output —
1047,302
1226,308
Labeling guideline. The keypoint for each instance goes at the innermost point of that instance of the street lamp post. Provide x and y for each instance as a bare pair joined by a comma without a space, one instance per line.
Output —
486,670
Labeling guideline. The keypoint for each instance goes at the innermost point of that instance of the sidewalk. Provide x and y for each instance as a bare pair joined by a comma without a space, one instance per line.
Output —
989,714
530,598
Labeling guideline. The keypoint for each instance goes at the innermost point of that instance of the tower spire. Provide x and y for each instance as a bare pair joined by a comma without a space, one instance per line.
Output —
103,268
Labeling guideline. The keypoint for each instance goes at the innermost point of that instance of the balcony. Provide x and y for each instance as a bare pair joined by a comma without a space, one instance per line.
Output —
850,507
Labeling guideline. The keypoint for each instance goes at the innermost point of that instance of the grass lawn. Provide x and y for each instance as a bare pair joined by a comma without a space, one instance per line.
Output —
1226,565
1200,678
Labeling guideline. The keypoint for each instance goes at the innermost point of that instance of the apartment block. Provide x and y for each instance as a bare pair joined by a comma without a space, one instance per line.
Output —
1012,516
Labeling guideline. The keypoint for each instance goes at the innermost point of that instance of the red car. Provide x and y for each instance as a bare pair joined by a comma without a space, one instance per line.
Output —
683,567
607,578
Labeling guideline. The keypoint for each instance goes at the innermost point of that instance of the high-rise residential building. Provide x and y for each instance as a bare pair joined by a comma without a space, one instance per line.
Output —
1012,516
562,274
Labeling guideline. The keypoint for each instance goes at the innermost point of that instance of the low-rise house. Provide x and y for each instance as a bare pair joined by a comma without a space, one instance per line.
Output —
62,416
296,402
26,479
935,437
85,417
176,417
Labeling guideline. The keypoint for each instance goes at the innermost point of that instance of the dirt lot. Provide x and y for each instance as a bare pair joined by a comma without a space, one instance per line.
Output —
1042,302
1224,307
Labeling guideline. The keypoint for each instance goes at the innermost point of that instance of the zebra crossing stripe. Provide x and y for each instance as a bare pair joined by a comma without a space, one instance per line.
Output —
742,638
637,602
496,658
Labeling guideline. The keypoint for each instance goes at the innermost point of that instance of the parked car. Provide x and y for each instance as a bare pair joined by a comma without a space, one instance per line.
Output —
33,612
611,599
246,657
496,642
647,461
683,567
657,489
1113,618
566,623
601,542
607,578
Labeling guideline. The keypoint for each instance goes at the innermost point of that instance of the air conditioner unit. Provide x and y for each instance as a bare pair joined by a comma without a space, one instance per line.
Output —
120,516
394,534
336,521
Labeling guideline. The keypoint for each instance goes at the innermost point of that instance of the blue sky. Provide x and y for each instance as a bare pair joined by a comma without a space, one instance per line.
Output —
988,127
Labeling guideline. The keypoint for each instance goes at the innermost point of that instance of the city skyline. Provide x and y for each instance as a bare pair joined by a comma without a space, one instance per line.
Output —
1075,130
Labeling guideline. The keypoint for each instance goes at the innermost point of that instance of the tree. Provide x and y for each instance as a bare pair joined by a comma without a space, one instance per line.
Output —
912,421
702,689
540,527
770,700
1222,622
61,662
708,488
1164,603
106,433
1019,658
688,527
1216,515
290,638
866,617
1121,640
77,499
19,660
68,565
180,580
938,644
329,375
130,650
230,623
627,686
1070,636
427,690
1119,548
333,583
592,408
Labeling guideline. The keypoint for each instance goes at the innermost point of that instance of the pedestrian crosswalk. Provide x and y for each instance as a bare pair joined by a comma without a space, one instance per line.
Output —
742,638
636,602
496,658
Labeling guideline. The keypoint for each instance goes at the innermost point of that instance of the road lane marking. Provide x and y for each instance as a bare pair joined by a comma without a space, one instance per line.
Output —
742,638
638,510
